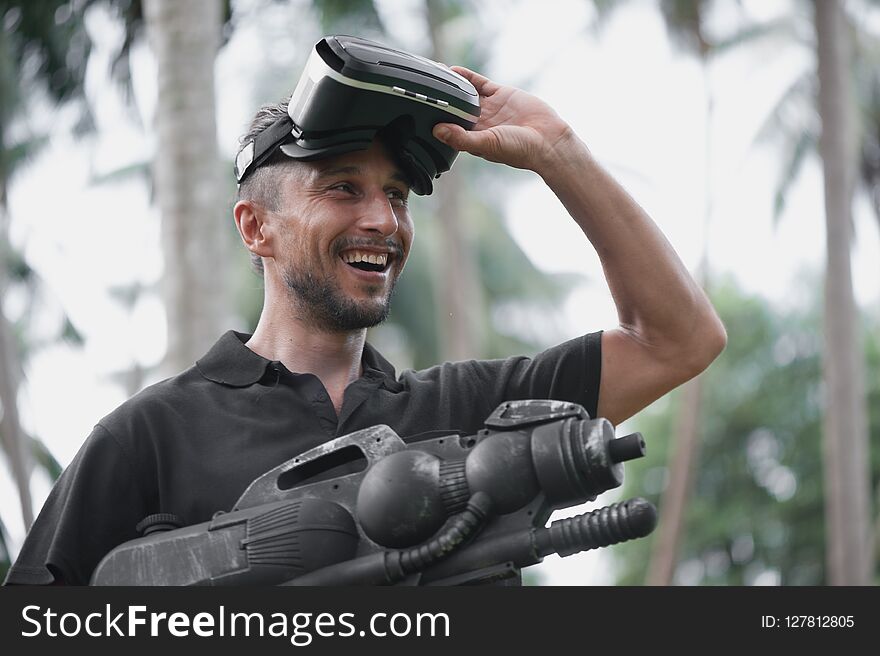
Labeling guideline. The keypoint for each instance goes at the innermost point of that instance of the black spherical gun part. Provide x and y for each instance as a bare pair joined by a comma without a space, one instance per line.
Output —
390,567
612,524
626,448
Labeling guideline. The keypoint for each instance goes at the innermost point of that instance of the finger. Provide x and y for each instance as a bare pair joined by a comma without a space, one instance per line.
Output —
455,136
483,85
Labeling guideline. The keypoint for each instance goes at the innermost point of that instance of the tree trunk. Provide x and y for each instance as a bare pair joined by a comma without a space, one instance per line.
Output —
460,302
685,449
847,479
185,37
13,438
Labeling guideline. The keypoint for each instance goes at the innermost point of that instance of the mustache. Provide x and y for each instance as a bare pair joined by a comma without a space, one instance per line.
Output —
345,243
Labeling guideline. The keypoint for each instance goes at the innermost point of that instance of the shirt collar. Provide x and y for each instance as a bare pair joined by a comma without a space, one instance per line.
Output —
376,366
231,362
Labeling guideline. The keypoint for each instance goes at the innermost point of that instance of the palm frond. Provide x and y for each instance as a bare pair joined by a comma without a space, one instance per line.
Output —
17,268
139,171
44,458
800,149
684,21
788,114
782,29
603,11
14,157
70,334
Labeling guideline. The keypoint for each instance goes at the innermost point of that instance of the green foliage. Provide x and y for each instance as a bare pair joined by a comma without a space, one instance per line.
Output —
684,21
43,46
867,83
532,576
757,502
44,51
799,148
49,40
794,124
44,458
5,556
17,268
70,334
348,16
17,274
413,306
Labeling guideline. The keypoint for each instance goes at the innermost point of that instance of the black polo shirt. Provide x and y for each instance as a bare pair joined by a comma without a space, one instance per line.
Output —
191,444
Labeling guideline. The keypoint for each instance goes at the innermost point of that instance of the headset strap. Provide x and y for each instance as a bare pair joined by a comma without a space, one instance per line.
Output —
259,149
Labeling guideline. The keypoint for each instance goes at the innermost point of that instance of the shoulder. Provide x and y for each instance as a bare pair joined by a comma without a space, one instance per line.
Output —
154,406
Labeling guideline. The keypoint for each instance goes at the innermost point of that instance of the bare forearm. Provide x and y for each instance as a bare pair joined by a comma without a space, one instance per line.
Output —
657,300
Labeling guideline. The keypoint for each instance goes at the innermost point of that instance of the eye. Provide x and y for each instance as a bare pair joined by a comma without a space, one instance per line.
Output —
344,187
397,197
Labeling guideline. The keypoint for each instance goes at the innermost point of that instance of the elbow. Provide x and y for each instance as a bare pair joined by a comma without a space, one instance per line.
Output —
717,341
709,341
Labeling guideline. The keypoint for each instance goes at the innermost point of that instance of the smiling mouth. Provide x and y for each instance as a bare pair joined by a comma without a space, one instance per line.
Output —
367,261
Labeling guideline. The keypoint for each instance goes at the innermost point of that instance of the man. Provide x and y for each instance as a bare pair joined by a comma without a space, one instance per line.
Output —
332,236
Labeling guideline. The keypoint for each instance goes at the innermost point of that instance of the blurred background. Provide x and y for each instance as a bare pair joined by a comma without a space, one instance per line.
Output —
749,131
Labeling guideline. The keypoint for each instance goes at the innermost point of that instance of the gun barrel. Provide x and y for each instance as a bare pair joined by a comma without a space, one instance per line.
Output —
616,523
625,448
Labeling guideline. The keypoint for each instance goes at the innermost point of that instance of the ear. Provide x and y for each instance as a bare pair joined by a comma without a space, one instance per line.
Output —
253,227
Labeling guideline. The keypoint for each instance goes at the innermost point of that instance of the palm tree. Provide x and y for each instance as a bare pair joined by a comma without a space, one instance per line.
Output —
846,463
185,37
684,19
845,439
847,479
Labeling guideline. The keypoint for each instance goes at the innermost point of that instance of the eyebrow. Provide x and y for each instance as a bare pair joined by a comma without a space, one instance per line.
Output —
356,170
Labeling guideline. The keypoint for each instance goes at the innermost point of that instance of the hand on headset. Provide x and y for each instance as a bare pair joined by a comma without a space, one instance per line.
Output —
515,127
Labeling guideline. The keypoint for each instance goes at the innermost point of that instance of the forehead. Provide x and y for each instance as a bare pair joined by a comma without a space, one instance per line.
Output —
374,162
376,165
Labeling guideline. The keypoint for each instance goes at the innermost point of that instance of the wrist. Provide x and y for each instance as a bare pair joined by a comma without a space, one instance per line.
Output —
567,153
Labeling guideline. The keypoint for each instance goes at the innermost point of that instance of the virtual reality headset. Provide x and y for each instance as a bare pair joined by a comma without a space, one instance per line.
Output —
353,89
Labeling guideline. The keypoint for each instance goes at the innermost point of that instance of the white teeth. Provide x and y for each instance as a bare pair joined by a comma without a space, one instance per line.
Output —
357,256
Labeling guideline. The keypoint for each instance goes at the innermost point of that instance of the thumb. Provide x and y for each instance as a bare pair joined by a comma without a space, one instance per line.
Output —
457,137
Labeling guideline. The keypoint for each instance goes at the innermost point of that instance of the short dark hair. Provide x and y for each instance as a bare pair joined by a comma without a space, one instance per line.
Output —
262,185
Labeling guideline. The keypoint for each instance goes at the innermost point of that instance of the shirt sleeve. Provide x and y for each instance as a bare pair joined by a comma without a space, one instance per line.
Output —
570,371
93,507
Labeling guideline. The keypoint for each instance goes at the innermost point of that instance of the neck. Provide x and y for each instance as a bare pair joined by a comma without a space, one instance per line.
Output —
334,357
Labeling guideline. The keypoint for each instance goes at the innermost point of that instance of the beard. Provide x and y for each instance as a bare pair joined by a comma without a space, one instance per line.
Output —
327,309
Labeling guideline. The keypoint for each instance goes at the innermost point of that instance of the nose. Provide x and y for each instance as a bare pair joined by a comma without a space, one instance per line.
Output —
378,215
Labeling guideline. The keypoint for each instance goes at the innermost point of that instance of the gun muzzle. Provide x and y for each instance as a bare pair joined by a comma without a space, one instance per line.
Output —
612,524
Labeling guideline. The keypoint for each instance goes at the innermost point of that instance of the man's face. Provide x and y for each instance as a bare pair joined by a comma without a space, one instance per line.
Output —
345,233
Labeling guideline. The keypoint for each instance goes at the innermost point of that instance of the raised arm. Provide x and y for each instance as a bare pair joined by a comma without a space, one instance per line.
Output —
668,331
